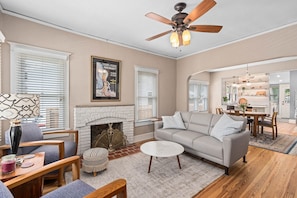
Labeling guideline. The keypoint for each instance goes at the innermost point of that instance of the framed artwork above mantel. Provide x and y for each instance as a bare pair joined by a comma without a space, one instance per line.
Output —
105,79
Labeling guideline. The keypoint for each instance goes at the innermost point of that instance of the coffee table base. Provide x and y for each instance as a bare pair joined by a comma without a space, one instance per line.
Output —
151,158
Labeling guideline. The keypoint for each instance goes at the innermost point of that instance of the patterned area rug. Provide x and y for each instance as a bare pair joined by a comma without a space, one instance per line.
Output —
164,180
283,143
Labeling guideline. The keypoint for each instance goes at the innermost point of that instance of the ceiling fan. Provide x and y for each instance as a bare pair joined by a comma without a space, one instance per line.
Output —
181,21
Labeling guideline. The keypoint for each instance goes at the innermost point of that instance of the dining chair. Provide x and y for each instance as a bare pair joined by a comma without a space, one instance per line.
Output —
219,110
237,113
249,119
269,122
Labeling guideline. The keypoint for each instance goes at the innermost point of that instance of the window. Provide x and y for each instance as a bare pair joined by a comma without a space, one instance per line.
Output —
146,93
198,95
44,72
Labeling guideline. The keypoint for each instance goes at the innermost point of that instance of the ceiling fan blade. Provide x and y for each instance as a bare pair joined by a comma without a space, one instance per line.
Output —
206,28
159,18
158,35
200,9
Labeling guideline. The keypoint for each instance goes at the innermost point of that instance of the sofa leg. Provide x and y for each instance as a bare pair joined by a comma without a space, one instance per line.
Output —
244,159
226,171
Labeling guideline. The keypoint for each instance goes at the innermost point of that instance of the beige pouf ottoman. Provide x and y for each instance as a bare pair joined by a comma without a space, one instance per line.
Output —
94,160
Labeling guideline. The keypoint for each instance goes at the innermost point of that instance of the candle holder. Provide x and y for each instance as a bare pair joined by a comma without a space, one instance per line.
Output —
8,163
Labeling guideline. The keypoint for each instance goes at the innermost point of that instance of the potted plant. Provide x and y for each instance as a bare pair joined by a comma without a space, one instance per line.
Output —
225,99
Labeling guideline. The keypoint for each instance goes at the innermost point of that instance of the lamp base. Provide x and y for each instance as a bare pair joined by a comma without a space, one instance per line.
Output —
15,136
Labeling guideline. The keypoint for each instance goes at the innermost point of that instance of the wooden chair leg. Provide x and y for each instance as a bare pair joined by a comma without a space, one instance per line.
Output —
272,133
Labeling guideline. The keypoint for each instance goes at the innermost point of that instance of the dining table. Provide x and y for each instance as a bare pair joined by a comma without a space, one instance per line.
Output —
254,114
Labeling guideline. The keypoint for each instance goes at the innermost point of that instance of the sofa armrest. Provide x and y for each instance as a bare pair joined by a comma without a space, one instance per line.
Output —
235,146
158,125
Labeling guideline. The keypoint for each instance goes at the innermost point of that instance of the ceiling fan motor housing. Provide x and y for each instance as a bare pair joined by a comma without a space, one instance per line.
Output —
178,19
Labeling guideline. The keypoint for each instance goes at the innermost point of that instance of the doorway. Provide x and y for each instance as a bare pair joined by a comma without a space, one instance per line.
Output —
284,100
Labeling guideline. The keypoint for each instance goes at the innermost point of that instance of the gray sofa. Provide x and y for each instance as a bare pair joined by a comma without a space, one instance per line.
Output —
197,139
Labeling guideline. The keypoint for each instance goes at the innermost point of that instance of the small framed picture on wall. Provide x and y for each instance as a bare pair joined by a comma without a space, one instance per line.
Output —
105,79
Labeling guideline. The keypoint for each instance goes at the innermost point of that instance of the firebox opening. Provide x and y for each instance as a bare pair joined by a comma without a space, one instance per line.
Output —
109,136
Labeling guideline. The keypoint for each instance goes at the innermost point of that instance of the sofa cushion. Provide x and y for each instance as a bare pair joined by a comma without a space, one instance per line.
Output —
186,137
200,122
165,133
173,122
225,126
209,145
186,117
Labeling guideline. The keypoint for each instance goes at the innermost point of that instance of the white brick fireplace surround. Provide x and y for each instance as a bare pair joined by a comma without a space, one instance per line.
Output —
86,116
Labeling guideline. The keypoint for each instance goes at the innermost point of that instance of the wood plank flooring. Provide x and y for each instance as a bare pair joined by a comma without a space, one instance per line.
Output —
266,174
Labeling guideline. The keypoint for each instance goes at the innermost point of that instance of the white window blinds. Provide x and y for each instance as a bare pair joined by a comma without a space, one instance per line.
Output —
43,72
146,93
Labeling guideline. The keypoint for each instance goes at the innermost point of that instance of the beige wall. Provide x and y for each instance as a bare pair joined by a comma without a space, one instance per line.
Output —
275,44
81,48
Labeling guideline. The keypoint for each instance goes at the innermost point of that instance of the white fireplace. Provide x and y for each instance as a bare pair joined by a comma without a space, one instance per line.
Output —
86,116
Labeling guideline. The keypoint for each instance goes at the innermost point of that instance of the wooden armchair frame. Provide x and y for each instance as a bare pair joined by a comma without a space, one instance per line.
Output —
59,143
117,187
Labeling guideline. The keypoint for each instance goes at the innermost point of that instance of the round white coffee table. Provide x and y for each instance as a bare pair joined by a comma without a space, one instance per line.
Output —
162,149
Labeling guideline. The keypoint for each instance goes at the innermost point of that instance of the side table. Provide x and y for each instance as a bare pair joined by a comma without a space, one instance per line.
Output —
32,188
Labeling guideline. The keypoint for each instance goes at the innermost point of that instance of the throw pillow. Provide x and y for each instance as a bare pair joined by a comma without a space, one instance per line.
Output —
173,122
225,126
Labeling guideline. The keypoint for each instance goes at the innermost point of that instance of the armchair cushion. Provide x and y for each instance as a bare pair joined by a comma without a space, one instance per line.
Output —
4,192
74,189
52,151
30,132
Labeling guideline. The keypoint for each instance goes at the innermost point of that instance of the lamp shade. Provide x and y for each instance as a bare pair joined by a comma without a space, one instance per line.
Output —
17,106
174,39
186,37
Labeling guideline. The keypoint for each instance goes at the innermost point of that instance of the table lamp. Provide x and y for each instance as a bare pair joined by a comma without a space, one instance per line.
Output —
14,107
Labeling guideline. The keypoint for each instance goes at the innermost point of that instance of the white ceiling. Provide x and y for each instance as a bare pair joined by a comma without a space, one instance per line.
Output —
124,23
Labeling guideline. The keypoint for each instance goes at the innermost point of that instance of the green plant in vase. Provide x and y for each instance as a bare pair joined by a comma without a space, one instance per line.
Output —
225,99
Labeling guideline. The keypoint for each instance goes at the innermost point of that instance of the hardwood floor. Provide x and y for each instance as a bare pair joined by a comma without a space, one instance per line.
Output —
266,174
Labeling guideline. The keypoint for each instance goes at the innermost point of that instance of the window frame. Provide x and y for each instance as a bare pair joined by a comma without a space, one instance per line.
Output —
152,71
16,48
198,83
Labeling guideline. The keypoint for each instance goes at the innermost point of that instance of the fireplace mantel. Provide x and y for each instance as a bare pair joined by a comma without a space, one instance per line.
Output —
86,116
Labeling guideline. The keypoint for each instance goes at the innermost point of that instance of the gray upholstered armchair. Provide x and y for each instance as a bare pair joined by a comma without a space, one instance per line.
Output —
32,141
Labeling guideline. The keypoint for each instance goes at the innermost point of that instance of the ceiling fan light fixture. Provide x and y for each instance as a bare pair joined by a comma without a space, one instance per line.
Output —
174,39
186,37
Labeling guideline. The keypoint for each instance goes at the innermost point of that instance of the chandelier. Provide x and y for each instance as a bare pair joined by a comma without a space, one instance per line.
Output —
248,76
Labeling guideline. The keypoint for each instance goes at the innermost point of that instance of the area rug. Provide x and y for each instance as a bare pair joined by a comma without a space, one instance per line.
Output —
293,149
164,180
283,143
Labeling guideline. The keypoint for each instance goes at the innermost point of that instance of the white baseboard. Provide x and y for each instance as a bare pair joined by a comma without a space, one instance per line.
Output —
292,121
142,137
